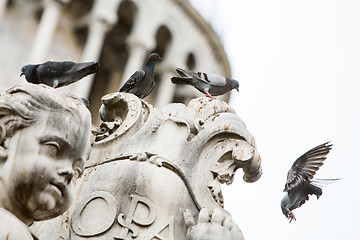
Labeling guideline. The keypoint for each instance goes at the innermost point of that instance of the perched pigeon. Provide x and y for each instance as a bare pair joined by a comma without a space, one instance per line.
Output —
58,74
209,84
300,183
141,83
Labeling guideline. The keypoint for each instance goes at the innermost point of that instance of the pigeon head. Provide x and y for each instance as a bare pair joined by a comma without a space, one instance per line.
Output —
233,84
28,71
154,57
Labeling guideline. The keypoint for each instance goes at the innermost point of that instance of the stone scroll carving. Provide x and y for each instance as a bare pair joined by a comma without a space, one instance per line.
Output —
151,170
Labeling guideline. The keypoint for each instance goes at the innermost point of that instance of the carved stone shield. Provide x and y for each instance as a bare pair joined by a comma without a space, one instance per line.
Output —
149,165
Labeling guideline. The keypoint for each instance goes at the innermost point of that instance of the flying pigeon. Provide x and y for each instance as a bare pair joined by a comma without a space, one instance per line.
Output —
141,83
209,84
300,183
58,74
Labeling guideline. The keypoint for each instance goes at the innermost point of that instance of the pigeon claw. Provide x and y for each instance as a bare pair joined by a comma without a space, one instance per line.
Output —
209,95
55,84
290,216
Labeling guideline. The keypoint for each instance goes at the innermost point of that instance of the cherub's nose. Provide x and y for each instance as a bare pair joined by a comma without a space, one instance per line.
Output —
67,174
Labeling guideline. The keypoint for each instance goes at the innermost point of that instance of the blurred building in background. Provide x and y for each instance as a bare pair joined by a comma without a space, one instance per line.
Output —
119,34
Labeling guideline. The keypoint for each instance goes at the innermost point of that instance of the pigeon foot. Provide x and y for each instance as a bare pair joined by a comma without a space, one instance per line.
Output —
55,84
209,95
291,216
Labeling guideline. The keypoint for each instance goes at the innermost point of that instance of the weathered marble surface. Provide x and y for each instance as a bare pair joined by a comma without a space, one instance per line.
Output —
42,149
152,171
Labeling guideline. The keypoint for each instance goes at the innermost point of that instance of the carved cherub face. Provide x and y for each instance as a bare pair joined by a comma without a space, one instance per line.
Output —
43,160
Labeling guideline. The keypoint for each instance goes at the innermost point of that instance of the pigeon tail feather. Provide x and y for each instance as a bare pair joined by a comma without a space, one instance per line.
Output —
181,80
184,72
321,182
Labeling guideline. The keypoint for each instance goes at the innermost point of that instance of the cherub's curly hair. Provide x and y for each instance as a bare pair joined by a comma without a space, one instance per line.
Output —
21,106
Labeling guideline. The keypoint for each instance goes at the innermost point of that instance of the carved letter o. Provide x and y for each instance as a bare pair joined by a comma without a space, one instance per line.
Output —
95,214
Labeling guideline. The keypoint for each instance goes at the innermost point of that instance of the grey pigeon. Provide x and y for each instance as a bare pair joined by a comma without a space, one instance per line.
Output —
58,74
300,183
209,84
141,83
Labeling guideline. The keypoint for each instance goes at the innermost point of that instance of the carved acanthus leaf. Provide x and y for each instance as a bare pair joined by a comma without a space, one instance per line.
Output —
225,171
105,129
215,188
121,113
247,157
242,155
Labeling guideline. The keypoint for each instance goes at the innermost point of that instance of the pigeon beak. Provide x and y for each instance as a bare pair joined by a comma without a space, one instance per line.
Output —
237,89
22,73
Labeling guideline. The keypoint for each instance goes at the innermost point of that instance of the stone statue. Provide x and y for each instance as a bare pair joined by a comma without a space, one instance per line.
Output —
157,173
45,138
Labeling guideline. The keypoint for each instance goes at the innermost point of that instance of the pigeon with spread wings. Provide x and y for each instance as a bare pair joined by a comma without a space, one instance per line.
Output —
300,183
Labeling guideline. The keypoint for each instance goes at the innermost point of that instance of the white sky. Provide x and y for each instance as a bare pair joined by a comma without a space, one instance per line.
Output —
298,64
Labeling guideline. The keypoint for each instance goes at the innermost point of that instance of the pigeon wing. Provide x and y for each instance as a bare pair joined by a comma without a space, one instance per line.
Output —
305,167
190,74
212,79
132,81
81,70
54,69
216,80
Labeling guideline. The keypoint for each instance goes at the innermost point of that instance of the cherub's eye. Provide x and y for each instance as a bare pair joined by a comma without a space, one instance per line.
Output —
78,172
53,148
78,167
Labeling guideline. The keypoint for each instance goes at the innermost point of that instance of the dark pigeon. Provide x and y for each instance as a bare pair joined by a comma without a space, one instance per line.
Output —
58,74
209,84
300,183
141,83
